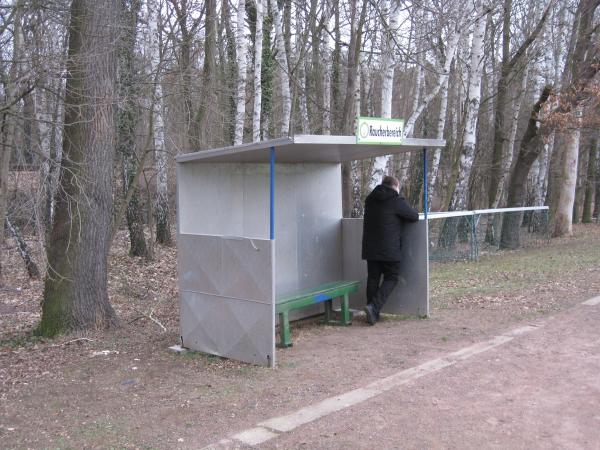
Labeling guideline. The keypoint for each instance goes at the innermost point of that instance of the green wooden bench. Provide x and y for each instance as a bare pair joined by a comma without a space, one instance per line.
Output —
324,293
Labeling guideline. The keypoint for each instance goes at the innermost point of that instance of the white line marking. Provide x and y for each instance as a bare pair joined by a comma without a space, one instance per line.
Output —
592,301
263,433
522,330
254,436
314,412
223,444
480,347
400,378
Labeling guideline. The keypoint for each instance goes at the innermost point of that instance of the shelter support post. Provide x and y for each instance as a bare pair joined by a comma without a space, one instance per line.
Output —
425,184
272,193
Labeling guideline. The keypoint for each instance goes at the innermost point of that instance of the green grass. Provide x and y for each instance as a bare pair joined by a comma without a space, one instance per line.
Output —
510,272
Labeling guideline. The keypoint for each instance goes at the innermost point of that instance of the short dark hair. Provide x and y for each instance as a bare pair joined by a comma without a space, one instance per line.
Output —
390,181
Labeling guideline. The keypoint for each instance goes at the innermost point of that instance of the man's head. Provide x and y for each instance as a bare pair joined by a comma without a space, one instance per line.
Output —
391,182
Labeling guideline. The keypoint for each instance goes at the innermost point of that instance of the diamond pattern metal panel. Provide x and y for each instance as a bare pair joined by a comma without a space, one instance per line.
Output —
226,296
247,271
231,328
199,263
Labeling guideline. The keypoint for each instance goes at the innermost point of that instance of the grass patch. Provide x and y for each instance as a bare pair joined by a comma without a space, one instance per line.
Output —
514,271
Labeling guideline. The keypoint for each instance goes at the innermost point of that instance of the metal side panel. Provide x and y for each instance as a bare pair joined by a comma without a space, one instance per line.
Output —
224,199
227,302
411,295
308,230
231,328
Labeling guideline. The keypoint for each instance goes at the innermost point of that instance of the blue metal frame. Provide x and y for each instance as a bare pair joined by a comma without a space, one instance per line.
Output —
425,184
272,194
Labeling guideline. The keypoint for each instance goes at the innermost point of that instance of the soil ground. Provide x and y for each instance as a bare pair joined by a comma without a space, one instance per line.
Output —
123,389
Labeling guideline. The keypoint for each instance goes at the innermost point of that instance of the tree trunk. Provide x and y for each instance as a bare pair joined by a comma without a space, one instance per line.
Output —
581,176
563,219
258,41
163,226
459,196
581,66
591,181
202,135
127,117
336,72
75,291
326,78
508,68
507,158
530,149
240,114
7,120
441,125
356,26
596,212
269,66
30,265
55,154
283,70
390,12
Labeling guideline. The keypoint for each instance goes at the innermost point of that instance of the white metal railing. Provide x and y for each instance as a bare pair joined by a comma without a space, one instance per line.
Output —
475,212
482,228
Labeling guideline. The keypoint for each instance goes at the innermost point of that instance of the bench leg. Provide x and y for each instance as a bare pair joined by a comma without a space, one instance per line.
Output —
328,311
284,330
346,318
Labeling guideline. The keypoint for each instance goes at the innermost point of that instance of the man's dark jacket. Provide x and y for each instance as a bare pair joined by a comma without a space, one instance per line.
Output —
385,211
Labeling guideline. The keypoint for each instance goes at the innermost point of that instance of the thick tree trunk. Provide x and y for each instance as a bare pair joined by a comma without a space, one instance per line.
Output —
75,291
563,219
591,181
509,65
507,158
530,149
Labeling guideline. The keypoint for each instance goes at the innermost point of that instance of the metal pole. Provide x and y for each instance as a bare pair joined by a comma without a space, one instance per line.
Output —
272,194
425,184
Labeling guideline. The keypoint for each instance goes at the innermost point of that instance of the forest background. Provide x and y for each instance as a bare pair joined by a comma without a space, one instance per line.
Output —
98,97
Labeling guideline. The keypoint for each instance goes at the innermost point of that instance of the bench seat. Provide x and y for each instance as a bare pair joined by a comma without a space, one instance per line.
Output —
306,297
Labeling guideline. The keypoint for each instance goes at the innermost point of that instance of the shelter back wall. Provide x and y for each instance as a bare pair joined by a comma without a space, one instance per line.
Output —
232,199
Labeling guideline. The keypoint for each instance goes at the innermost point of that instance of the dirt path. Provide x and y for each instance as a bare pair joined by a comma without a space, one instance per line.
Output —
540,390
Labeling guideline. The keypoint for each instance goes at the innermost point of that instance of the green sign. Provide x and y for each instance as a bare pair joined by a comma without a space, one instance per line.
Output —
377,130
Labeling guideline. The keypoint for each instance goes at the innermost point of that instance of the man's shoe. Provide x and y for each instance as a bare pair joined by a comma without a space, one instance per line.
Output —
371,315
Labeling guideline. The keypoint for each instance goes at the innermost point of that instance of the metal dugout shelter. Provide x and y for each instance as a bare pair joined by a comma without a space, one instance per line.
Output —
261,220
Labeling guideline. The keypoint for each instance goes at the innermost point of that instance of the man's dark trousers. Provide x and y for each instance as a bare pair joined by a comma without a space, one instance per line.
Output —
377,294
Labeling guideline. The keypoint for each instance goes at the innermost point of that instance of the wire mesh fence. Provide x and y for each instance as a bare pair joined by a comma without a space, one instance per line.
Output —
467,235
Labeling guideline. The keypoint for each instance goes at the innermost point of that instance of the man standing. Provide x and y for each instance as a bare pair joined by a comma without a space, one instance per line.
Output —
385,211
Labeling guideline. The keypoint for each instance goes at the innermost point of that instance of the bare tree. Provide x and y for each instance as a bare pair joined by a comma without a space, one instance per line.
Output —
75,291
582,65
